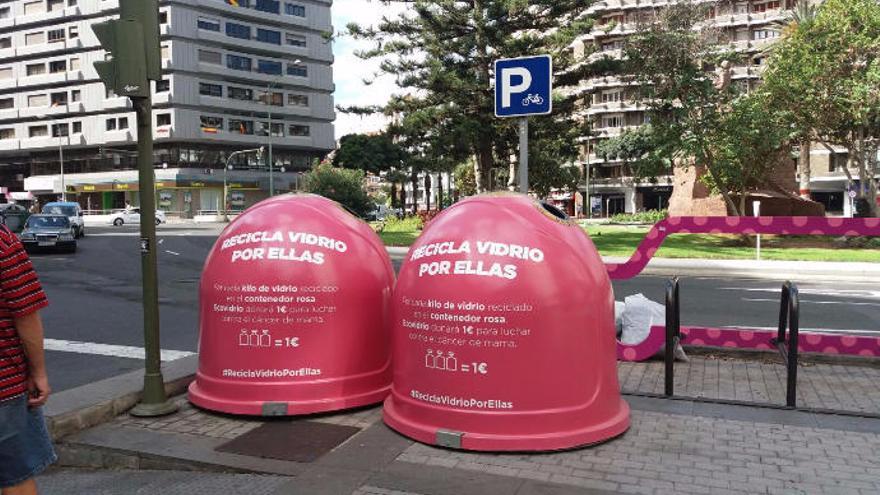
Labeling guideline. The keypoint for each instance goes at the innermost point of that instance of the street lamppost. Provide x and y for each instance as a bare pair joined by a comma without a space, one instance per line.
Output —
259,153
268,103
56,128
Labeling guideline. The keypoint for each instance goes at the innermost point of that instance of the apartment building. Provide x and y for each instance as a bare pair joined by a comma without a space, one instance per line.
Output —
613,108
237,74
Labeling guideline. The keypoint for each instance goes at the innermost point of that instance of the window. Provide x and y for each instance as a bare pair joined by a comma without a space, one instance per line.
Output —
58,99
123,123
77,127
764,34
208,89
295,40
38,131
210,57
57,66
764,7
274,99
37,101
211,124
5,73
111,124
54,5
56,35
268,36
5,43
163,119
75,95
74,63
165,52
238,31
613,121
163,86
272,6
7,134
298,100
277,129
5,13
295,9
209,24
269,67
73,32
238,63
297,70
33,8
611,96
60,130
35,38
241,126
241,93
239,3
299,130
7,103
163,17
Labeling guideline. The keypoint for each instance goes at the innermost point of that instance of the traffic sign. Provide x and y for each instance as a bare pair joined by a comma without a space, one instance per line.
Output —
523,86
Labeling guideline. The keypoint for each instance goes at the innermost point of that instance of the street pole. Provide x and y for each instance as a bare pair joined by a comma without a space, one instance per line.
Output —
225,187
61,161
524,155
271,176
154,401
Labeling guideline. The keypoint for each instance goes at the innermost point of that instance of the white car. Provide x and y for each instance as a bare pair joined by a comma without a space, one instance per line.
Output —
133,216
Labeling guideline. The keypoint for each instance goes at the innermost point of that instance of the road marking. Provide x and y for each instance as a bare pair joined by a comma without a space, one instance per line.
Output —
847,303
172,253
859,293
123,351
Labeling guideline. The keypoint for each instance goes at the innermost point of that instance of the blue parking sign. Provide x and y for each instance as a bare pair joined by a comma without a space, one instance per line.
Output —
523,86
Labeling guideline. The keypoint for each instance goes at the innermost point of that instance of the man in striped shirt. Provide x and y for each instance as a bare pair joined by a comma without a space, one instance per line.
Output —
25,447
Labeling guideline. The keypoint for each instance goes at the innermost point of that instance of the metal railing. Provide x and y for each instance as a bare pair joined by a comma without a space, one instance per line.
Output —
789,320
786,341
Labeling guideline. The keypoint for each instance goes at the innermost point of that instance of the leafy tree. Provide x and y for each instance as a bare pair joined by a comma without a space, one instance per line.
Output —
464,179
341,185
828,73
641,151
441,54
371,153
750,141
671,58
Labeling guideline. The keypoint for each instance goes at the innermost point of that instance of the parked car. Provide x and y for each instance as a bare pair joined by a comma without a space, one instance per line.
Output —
133,216
13,216
382,212
72,211
49,232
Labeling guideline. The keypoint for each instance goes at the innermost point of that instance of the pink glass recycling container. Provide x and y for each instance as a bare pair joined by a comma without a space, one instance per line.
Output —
294,312
503,330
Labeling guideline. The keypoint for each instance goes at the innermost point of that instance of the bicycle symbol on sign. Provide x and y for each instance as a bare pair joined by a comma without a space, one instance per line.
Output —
533,99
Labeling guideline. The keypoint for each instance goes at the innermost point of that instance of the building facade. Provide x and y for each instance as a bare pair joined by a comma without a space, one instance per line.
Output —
613,107
237,75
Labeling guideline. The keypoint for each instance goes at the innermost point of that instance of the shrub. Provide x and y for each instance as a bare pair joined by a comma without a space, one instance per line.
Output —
407,224
343,186
643,217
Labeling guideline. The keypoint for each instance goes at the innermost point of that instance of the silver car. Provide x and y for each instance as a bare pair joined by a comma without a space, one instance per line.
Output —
49,232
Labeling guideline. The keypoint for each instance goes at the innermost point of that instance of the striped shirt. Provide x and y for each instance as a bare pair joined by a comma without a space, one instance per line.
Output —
20,295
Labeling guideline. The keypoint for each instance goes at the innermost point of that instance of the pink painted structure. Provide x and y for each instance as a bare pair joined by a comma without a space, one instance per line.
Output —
748,339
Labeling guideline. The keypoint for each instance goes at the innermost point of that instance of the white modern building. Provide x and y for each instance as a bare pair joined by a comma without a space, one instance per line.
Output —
237,74
613,107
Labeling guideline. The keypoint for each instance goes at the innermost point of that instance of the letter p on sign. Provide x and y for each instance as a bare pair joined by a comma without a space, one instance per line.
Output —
508,88
523,86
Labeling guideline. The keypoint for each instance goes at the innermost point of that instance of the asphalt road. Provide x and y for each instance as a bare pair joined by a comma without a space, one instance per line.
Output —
95,299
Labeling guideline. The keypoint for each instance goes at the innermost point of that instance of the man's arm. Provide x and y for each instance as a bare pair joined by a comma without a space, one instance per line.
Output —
30,331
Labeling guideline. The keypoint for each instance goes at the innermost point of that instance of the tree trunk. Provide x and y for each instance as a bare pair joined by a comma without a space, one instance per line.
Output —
393,194
478,175
414,179
440,191
428,192
511,180
804,169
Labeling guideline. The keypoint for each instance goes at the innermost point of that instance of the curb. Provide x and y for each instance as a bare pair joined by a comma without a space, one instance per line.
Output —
80,408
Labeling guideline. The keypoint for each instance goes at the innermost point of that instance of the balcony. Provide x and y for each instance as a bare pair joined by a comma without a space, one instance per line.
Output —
119,136
10,114
10,144
163,132
116,103
46,111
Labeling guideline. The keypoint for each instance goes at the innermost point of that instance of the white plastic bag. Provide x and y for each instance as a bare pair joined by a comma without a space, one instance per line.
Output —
639,315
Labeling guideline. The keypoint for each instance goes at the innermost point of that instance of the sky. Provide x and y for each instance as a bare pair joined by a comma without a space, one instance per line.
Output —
349,71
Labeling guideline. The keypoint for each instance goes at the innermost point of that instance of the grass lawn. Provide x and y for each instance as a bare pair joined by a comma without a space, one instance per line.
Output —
616,240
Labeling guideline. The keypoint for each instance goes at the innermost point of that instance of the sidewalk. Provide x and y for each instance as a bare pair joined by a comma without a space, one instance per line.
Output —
672,447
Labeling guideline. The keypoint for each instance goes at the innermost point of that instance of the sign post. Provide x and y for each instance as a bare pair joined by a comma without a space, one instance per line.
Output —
756,209
523,87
